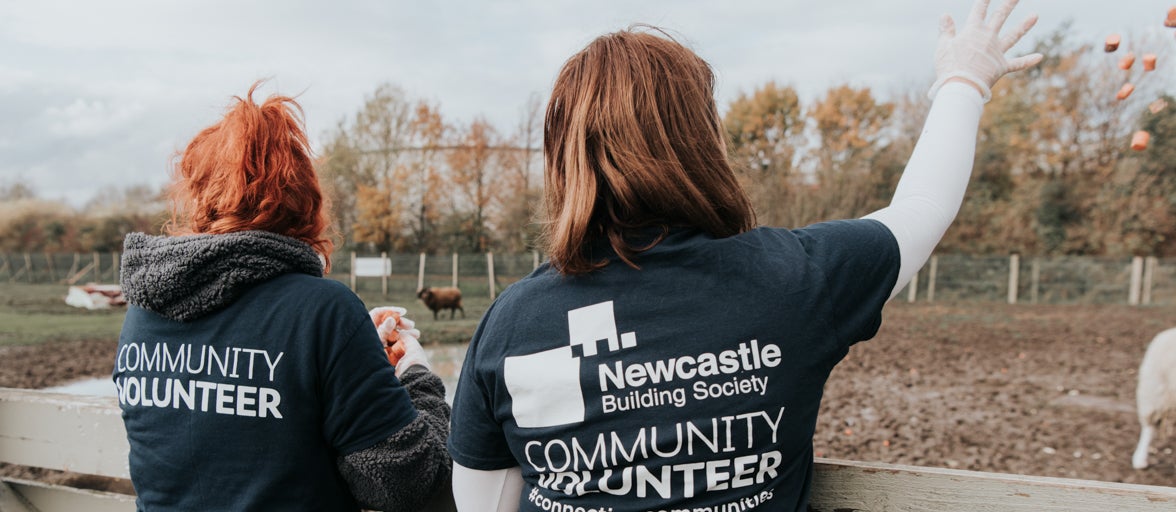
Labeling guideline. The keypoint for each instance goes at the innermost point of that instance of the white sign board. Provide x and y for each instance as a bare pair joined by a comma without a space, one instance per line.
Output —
372,267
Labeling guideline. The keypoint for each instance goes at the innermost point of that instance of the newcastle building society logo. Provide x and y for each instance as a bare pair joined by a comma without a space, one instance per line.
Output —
545,386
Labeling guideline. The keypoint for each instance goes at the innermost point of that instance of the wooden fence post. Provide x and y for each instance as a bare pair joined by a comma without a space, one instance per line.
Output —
535,257
1034,279
933,275
52,271
455,270
115,269
421,274
913,288
1136,280
352,270
490,273
1149,273
73,267
5,267
1014,276
29,267
97,269
384,270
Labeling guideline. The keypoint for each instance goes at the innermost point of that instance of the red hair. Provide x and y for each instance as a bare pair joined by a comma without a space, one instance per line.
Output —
252,171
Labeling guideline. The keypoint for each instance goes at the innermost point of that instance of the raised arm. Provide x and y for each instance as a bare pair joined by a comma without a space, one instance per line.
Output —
932,186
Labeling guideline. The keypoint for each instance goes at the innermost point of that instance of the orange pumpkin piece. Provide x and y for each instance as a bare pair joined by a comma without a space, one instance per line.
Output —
1125,91
395,351
1139,140
1127,61
1171,21
1149,62
392,348
1112,43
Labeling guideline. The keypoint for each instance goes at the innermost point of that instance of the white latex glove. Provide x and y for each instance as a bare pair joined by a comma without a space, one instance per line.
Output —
405,323
404,327
408,335
413,353
977,53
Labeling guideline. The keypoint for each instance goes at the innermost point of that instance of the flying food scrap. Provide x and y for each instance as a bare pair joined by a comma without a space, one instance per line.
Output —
1112,43
1127,61
1139,140
1125,91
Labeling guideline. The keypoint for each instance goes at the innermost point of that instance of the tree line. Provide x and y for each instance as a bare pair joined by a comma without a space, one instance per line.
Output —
1054,173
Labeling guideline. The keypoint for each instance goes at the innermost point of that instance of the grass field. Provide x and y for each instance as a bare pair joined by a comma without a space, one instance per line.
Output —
37,313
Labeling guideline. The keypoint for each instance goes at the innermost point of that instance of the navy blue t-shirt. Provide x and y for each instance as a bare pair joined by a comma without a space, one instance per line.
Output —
249,407
692,382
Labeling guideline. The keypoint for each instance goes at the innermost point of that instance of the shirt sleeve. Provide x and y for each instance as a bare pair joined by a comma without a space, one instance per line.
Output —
363,403
859,260
476,439
932,186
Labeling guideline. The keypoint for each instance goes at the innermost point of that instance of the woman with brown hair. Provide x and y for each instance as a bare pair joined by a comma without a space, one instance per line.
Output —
672,355
246,380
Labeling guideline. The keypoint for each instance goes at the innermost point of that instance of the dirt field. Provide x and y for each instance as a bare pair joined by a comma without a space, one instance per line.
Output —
1039,390
1036,390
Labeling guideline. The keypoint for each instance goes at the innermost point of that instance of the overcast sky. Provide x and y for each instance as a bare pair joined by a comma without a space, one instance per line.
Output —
102,93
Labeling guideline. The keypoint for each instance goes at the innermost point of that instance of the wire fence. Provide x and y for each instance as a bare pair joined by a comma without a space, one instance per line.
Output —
1045,280
946,277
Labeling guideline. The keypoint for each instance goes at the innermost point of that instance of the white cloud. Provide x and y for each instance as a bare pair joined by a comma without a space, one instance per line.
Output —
89,118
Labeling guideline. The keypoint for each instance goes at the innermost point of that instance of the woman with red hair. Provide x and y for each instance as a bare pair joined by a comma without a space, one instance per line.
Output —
673,355
248,381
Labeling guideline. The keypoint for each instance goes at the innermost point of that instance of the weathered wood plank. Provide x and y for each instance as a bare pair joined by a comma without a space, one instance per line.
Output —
850,486
52,498
84,434
10,501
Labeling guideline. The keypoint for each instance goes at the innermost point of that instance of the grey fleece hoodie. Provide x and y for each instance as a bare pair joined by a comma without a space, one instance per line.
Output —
188,278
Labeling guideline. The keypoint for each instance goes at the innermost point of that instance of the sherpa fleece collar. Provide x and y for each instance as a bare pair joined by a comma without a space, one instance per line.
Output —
187,277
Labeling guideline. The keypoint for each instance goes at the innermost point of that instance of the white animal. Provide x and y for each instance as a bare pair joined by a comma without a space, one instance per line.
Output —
1156,395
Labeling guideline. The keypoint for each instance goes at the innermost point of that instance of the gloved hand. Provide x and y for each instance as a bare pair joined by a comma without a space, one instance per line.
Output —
400,337
976,54
414,354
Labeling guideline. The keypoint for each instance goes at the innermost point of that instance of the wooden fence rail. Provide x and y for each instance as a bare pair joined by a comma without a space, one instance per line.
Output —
64,432
86,435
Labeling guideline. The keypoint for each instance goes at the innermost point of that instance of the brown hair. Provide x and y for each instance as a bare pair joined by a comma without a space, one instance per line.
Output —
632,141
252,170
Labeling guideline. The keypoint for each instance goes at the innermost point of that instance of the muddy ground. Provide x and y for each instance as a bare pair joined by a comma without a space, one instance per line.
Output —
1036,390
